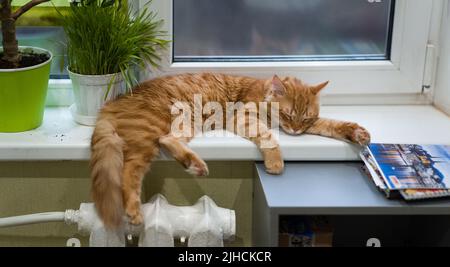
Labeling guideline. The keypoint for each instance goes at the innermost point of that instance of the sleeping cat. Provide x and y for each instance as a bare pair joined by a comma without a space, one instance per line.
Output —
131,131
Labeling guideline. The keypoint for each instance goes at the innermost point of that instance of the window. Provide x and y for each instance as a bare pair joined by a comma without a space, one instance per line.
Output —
364,47
375,51
290,30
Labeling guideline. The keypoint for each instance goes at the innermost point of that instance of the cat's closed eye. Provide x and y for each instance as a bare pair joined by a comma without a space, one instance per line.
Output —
286,115
309,121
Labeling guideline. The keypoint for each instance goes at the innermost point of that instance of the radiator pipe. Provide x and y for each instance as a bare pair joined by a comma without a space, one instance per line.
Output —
32,219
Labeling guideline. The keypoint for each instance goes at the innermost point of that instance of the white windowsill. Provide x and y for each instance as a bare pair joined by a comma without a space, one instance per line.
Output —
59,138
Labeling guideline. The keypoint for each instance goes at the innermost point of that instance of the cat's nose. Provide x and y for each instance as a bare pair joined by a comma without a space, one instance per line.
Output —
289,130
293,132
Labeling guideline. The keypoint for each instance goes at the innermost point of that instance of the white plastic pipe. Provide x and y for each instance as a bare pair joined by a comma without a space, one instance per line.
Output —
86,218
33,219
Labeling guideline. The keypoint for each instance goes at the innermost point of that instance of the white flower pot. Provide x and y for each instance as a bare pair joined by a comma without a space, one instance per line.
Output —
90,94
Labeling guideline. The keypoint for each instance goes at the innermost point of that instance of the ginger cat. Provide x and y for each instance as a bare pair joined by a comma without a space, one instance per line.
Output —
131,131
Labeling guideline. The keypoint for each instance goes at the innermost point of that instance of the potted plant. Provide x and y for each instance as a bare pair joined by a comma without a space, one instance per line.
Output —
24,74
107,43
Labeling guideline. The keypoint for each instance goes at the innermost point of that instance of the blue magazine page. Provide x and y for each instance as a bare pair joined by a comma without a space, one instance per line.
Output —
413,166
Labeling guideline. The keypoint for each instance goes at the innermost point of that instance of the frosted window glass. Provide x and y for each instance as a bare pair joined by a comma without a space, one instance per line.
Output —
240,30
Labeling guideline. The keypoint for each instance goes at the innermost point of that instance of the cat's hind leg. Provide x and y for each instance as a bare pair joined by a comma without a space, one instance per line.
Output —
133,173
137,159
184,155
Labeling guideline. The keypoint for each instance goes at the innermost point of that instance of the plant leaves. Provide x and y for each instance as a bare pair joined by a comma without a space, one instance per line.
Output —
104,40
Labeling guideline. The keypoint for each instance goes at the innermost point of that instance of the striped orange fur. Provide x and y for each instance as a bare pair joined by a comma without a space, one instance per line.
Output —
131,131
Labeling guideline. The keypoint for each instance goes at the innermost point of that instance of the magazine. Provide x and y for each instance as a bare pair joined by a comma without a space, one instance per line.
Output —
411,172
412,166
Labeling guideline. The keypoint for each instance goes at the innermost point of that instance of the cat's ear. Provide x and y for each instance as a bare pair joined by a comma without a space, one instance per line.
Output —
277,87
316,89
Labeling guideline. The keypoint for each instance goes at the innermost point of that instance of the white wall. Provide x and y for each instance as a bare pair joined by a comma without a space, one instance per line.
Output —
442,94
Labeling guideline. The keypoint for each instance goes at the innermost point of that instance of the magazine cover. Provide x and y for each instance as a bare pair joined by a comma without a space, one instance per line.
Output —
413,166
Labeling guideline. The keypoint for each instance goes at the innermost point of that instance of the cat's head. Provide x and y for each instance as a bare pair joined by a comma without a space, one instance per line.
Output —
298,102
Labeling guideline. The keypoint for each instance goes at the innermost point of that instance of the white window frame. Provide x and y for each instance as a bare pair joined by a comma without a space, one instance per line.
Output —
399,80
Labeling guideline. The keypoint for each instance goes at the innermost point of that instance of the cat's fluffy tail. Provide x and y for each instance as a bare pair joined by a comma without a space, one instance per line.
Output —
106,172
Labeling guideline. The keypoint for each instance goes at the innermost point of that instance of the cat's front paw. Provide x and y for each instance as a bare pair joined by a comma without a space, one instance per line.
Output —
197,167
273,161
275,167
360,135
